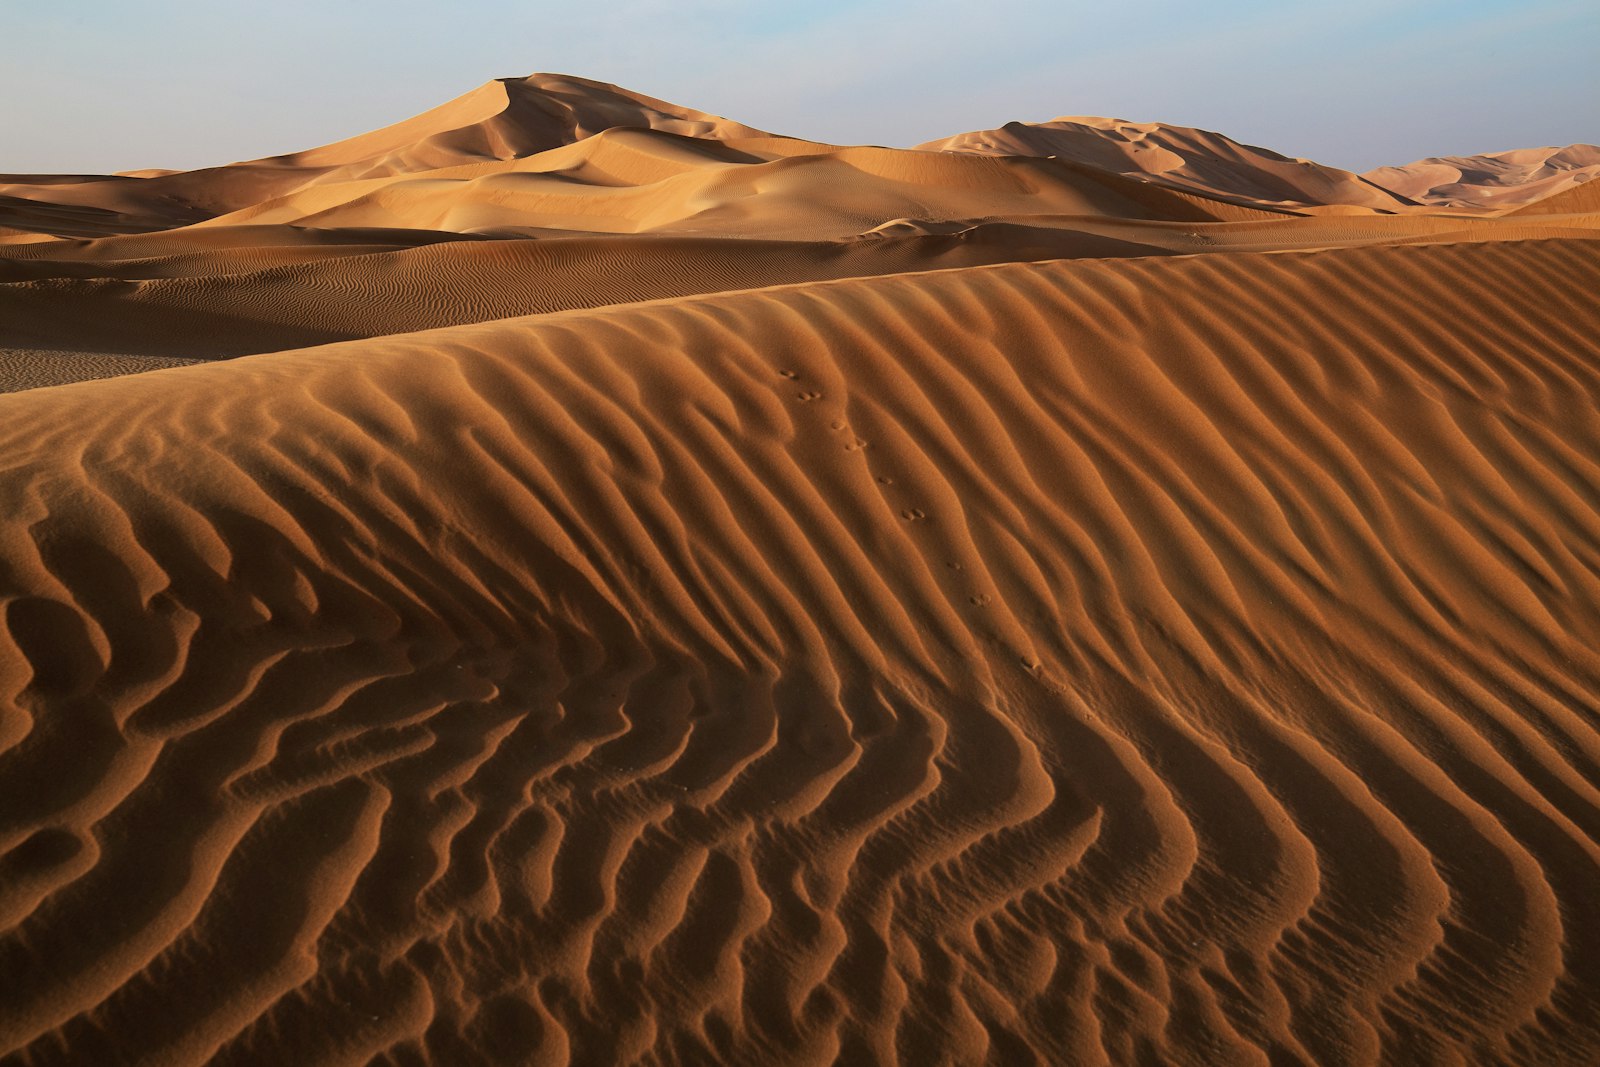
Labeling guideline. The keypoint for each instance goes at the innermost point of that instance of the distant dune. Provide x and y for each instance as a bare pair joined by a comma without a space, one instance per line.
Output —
597,583
1575,200
1499,180
1197,160
505,119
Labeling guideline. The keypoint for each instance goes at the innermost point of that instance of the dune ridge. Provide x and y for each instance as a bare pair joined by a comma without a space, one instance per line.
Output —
1179,156
218,293
504,119
1579,199
630,690
487,130
1498,180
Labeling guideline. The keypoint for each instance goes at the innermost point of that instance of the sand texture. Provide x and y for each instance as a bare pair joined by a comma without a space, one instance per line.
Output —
1497,180
600,584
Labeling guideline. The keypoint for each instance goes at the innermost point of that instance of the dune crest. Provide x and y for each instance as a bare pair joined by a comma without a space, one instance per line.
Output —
1197,160
507,119
504,119
1501,181
1578,200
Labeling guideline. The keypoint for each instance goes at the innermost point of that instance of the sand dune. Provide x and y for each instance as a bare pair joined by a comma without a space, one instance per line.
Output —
1497,180
620,681
31,216
372,294
1218,166
507,119
642,181
503,119
1579,199
478,138
218,293
1182,157
651,591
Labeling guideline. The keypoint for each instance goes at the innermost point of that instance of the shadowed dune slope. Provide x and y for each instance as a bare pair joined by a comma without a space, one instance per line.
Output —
216,294
337,298
1183,661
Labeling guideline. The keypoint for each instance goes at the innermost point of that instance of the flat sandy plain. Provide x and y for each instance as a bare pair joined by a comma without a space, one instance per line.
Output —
598,583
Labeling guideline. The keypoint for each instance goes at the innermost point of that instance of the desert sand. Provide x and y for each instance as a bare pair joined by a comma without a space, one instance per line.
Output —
593,582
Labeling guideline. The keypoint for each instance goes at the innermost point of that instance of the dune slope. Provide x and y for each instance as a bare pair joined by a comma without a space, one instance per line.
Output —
504,119
216,292
1578,199
1499,180
638,181
367,294
1184,660
1179,156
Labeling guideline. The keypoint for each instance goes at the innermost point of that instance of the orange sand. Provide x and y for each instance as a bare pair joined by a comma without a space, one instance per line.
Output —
652,591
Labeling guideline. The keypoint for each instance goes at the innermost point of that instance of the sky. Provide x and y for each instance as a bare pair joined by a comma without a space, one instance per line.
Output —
92,86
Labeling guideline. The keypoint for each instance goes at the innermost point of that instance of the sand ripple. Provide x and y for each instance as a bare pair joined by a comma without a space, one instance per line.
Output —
1168,660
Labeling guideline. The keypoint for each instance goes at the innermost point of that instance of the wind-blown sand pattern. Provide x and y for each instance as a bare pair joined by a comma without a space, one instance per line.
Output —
1175,644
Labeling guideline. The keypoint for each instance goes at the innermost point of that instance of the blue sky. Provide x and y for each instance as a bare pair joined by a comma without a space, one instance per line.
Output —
100,85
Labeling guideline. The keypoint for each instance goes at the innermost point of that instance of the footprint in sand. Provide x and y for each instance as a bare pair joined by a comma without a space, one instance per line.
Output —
914,515
789,374
810,395
855,446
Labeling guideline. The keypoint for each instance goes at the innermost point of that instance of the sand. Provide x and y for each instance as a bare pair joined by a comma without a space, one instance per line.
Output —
686,595
1495,180
1180,156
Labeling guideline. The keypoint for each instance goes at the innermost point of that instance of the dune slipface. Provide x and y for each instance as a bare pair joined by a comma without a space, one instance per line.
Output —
1160,631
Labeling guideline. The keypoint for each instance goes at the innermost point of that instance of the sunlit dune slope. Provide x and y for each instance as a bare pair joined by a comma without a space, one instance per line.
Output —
471,145
1497,180
502,119
634,181
1180,157
1180,660
1579,199
506,119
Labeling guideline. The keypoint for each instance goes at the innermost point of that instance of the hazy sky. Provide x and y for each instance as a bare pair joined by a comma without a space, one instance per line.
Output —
102,85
